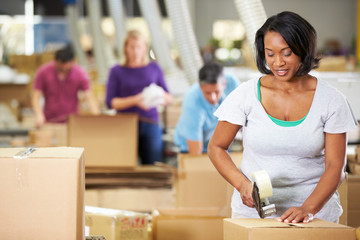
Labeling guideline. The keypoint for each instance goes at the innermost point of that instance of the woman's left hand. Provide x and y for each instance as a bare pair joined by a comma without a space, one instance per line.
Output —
296,215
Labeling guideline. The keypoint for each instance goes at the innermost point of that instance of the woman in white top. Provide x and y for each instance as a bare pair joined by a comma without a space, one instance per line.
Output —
293,124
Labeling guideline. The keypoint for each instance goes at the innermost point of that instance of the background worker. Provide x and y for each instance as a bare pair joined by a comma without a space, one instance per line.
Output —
197,122
125,93
59,83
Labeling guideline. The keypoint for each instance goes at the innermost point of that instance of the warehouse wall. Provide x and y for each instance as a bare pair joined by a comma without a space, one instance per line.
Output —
331,18
15,7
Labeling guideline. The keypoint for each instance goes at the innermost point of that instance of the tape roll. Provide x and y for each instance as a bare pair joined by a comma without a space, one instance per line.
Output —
263,182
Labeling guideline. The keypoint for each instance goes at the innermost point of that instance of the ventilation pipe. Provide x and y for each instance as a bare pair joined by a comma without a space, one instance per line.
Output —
102,52
72,16
252,15
189,51
175,78
117,13
150,11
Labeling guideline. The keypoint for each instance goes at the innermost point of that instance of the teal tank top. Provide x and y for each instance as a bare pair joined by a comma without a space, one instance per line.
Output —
279,122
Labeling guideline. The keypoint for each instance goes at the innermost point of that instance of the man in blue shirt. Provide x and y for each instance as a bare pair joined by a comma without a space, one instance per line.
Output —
197,122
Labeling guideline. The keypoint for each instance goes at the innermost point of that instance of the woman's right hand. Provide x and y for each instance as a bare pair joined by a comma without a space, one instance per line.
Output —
246,193
139,101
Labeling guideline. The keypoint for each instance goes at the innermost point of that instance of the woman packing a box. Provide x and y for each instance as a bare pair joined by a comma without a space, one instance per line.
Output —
294,127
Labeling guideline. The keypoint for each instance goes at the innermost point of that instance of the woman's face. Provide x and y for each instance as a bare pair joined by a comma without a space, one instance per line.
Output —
282,62
135,51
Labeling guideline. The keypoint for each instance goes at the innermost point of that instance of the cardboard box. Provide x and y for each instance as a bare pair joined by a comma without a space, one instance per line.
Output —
357,154
354,167
199,184
270,229
109,141
343,194
171,114
142,176
18,92
50,135
354,200
187,223
332,64
354,218
43,197
140,199
116,224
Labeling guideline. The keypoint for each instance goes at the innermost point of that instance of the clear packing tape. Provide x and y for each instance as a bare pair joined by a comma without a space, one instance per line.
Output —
21,167
263,182
262,190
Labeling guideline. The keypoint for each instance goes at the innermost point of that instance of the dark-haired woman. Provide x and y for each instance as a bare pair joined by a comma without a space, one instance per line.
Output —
293,124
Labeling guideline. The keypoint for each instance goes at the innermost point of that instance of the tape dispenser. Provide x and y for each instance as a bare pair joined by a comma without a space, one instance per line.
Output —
262,190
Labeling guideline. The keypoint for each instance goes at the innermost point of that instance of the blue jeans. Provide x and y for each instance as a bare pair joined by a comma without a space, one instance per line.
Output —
150,142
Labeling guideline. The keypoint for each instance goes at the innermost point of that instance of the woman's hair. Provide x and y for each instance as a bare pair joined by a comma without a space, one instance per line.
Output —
298,34
134,34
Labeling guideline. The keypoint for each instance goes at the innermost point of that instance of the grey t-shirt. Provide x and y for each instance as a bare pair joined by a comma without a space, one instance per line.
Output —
294,157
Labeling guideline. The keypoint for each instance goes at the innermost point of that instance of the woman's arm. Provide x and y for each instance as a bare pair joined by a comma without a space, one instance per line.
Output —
335,149
219,143
168,98
39,114
195,147
92,103
120,103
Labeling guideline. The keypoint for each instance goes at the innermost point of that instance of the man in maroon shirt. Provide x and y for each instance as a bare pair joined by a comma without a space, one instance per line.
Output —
59,82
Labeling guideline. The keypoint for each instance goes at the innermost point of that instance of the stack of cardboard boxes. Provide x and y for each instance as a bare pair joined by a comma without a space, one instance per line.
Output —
202,201
114,179
354,201
193,205
353,161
